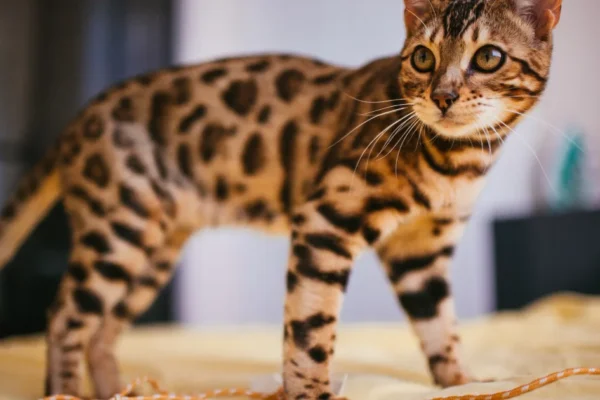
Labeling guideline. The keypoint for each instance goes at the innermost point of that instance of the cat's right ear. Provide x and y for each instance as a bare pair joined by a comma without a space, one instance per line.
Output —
415,13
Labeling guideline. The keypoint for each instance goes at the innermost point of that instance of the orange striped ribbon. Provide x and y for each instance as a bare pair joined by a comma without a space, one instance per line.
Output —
236,392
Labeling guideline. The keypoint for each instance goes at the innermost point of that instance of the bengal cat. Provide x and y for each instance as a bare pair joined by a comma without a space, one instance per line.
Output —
390,156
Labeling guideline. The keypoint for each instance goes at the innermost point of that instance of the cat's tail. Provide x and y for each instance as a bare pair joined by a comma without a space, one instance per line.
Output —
34,196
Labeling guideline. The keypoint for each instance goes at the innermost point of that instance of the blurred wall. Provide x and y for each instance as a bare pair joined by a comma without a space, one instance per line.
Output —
237,276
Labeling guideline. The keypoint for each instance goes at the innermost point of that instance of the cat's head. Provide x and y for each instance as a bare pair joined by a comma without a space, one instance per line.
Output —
470,64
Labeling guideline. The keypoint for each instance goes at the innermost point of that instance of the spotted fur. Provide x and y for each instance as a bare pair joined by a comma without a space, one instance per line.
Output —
339,159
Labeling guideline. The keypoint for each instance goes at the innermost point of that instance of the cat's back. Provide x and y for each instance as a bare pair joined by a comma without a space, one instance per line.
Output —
248,131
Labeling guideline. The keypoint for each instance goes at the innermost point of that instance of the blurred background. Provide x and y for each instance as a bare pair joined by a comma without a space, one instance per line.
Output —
535,230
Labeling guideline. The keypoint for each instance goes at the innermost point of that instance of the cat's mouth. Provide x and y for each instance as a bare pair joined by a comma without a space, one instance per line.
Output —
457,122
453,123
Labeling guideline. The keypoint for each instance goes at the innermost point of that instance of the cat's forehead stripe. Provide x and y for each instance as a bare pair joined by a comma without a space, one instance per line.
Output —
460,14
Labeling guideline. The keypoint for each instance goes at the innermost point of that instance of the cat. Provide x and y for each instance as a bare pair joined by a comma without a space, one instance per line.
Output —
389,156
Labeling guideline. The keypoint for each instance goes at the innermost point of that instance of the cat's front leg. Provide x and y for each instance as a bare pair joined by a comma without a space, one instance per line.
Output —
417,258
325,242
328,233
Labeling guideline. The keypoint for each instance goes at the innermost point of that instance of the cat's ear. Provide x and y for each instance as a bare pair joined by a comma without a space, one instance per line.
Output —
415,12
543,14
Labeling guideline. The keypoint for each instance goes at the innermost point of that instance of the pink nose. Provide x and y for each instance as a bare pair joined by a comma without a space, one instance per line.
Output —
444,99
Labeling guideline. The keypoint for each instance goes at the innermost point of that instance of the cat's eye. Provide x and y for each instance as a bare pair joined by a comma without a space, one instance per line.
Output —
488,59
423,59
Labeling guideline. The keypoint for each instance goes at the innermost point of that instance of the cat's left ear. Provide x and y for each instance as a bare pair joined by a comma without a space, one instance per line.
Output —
543,14
415,12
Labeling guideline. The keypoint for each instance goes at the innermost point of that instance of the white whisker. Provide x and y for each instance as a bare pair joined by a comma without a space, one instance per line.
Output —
398,128
532,152
548,124
372,142
374,102
359,126
408,133
397,107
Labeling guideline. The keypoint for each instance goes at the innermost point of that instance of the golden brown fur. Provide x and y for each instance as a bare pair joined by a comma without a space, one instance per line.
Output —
391,155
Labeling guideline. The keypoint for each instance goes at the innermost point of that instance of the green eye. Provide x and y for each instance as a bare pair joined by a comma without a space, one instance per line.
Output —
423,59
488,59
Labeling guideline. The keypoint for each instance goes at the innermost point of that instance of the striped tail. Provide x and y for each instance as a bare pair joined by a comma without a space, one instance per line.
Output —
35,195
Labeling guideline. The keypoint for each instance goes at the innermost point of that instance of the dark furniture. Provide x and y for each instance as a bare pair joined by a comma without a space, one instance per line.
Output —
540,255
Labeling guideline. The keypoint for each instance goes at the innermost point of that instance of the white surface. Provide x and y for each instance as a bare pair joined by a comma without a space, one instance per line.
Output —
236,277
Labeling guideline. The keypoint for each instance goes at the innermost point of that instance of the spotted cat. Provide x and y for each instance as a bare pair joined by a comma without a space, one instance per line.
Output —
390,156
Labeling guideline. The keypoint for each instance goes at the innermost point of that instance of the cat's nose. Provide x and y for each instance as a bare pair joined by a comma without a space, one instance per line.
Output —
444,98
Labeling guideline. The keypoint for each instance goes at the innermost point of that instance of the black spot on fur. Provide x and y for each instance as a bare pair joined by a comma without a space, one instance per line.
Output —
184,160
376,204
423,304
373,178
96,241
291,281
241,96
298,219
399,268
334,99
326,78
149,282
94,205
259,66
324,396
329,242
158,111
253,157
318,354
67,375
163,266
301,329
264,115
289,83
165,197
121,311
317,194
287,146
348,223
112,272
130,200
313,149
213,75
435,360
87,302
78,272
259,209
183,90
317,110
136,165
419,196
128,234
188,121
74,323
222,189
213,137
123,111
307,268
96,170
93,127
370,234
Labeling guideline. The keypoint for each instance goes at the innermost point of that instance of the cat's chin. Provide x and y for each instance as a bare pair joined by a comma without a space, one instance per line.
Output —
453,129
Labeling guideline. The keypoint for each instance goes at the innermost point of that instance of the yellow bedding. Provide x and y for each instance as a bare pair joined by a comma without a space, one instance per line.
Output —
556,333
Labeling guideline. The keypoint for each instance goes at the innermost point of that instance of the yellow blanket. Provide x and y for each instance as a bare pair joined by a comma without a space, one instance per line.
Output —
381,362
